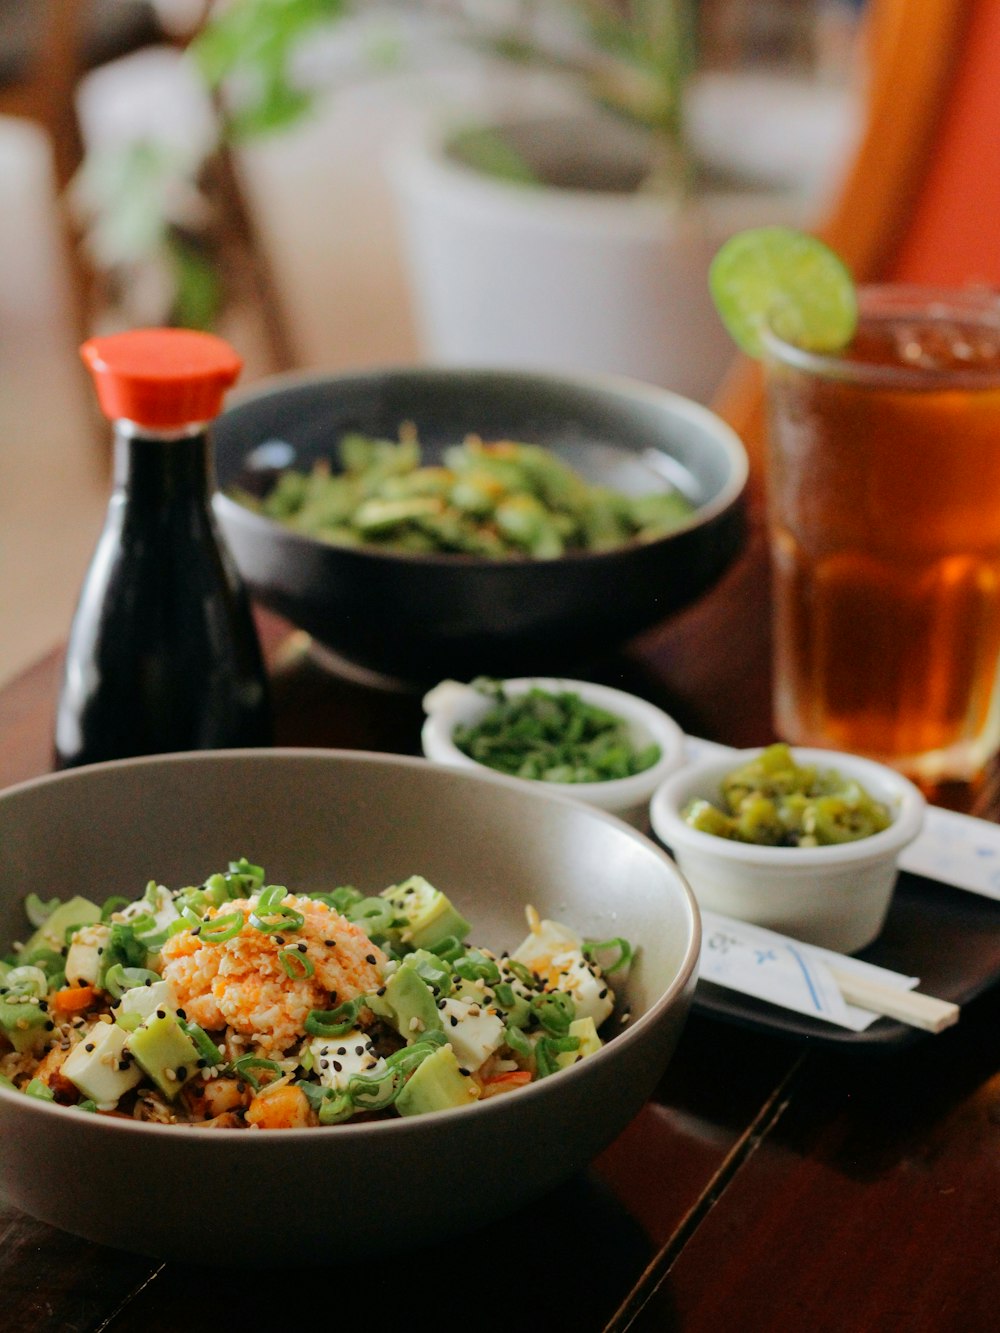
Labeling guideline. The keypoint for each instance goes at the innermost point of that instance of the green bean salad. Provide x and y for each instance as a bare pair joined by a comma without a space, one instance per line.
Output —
501,500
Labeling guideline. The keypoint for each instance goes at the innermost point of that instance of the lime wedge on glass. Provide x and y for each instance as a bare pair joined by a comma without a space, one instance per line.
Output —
785,280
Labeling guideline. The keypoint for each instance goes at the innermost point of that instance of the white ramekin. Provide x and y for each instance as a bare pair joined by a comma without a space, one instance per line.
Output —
451,704
835,896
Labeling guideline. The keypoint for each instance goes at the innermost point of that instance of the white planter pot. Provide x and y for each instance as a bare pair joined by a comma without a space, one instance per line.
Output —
505,274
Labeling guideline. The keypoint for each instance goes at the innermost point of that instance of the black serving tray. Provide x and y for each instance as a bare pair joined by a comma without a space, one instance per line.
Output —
947,937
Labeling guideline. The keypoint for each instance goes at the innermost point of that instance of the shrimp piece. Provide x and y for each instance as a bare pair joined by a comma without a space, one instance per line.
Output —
282,1107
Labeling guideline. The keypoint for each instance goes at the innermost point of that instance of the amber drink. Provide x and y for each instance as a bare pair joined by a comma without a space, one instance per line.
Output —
884,518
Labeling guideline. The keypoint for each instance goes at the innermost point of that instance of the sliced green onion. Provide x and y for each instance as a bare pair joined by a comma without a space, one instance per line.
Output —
377,915
522,972
334,1022
271,898
86,1105
26,980
518,1042
241,1069
517,1007
437,975
246,877
555,1010
221,928
295,964
548,1048
409,1057
450,948
206,1047
283,921
340,899
335,1108
38,911
374,1092
620,951
475,966
118,979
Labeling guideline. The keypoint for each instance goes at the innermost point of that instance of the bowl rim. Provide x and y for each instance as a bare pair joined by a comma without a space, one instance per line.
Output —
907,815
622,386
440,723
686,972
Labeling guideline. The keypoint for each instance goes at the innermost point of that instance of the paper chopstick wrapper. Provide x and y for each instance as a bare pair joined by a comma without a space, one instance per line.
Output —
812,981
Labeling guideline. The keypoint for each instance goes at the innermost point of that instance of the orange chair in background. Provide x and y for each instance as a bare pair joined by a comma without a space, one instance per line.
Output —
920,201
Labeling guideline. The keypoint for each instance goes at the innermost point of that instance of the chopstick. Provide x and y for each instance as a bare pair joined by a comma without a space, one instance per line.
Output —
906,1006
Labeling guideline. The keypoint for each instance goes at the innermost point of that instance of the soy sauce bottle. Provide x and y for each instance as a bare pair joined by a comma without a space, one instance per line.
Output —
163,653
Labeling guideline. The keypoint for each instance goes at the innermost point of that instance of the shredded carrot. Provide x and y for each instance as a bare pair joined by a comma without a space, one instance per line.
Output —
74,999
517,1078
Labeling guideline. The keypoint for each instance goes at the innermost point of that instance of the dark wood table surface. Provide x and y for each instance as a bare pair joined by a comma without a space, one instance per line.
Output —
770,1184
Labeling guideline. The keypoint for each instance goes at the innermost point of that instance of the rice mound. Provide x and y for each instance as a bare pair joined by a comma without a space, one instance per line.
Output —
241,984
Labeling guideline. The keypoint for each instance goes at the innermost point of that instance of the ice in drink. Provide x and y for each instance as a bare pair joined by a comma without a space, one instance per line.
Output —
884,497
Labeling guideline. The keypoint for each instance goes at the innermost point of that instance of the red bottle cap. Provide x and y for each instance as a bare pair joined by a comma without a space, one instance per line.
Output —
163,379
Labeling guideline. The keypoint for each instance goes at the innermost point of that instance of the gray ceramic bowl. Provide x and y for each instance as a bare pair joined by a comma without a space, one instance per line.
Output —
420,618
312,819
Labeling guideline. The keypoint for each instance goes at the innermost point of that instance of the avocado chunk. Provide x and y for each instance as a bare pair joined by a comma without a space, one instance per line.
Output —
412,1002
164,1052
51,934
24,1025
586,1032
99,1066
429,914
436,1084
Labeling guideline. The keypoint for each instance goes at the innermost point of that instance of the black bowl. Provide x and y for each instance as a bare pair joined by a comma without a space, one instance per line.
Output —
420,617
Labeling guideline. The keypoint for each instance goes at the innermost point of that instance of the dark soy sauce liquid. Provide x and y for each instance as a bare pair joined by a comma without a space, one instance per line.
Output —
163,653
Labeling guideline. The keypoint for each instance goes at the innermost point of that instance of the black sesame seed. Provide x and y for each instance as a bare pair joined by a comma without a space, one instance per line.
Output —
161,1013
453,1020
88,1046
49,1025
330,944
370,958
338,1066
181,1072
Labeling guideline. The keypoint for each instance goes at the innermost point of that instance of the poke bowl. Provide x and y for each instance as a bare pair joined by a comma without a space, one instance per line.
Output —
314,819
617,747
417,615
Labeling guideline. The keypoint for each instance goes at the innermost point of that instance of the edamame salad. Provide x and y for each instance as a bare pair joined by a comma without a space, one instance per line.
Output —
236,1003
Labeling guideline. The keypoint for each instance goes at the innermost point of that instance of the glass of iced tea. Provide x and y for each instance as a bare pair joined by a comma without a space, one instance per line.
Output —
884,520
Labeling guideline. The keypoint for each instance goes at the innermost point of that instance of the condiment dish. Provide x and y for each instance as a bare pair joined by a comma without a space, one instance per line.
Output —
452,704
835,896
315,819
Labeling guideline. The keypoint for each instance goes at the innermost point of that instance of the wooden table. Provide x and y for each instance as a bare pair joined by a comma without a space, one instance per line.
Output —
768,1185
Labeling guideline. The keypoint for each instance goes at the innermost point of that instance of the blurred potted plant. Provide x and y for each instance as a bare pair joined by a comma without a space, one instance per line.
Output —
570,232
566,228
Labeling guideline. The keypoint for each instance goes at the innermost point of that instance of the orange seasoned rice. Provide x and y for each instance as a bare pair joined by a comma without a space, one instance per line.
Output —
241,983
